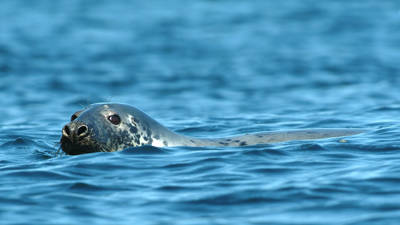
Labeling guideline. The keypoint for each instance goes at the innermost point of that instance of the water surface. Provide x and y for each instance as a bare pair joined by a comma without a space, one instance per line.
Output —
207,69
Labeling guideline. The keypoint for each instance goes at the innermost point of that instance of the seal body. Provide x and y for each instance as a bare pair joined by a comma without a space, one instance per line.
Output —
107,127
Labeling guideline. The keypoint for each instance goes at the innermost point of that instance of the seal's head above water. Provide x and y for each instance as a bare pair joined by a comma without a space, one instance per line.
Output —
109,127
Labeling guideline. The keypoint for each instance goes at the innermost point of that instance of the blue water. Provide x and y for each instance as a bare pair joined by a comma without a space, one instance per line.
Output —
207,69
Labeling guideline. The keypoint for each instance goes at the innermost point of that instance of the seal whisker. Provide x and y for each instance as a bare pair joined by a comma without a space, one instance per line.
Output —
58,151
105,149
102,149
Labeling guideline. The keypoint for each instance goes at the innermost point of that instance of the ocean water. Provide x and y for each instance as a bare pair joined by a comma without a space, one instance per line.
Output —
206,69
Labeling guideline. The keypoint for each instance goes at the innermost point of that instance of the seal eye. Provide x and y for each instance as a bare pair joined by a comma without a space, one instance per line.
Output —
114,119
73,117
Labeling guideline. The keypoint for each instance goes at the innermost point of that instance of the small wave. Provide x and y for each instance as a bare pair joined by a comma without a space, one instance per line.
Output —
146,149
37,174
264,152
84,186
272,170
20,142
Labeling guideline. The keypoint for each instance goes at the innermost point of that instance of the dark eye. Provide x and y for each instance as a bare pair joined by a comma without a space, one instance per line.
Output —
114,119
73,117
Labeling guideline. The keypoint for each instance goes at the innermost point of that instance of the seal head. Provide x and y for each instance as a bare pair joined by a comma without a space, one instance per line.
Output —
105,128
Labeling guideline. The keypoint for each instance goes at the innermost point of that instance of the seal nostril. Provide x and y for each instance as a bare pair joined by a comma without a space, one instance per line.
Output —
82,130
67,130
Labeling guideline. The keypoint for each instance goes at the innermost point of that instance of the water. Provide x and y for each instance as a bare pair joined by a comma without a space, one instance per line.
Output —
207,69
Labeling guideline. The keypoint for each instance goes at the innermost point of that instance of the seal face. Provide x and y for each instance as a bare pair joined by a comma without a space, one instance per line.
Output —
108,127
104,128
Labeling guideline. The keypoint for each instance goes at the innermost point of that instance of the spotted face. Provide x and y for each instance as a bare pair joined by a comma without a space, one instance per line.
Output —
104,128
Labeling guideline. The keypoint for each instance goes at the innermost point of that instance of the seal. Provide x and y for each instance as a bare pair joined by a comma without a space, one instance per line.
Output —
108,127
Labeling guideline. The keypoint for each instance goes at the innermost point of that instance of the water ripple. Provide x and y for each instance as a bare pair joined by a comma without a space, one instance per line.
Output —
204,69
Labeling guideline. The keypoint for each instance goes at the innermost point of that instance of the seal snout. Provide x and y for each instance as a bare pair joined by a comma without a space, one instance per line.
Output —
74,139
75,131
